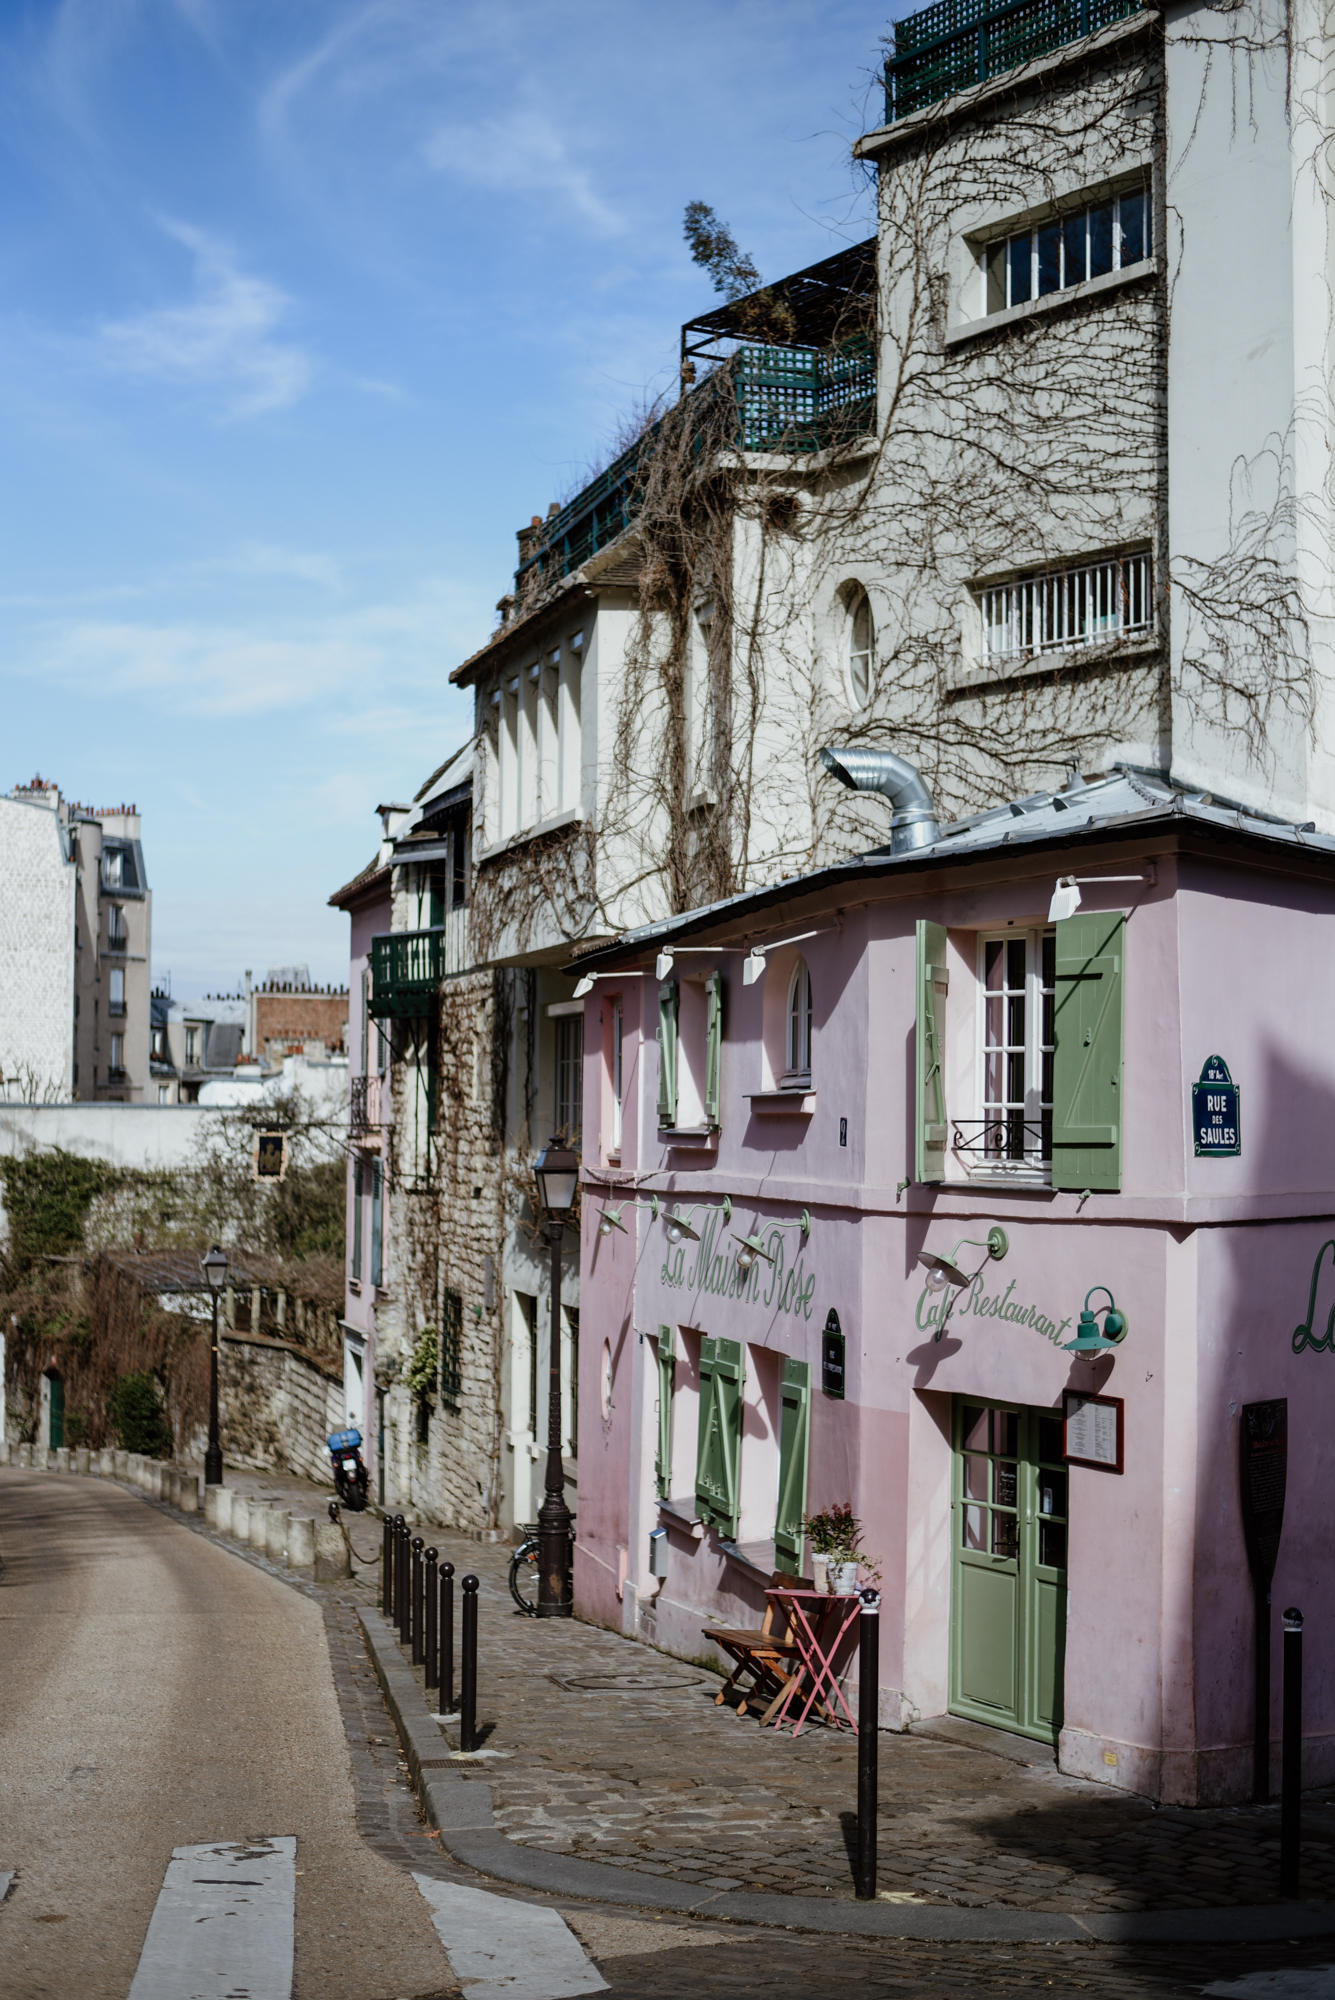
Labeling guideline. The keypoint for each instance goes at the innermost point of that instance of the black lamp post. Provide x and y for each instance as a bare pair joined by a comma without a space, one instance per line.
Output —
556,1171
214,1267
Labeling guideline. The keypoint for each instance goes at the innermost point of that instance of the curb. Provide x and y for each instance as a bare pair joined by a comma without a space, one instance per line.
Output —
461,1810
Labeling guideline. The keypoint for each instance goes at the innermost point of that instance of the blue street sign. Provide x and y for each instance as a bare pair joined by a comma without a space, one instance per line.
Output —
1215,1117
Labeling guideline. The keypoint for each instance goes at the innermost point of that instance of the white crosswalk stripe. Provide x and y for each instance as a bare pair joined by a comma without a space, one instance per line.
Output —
222,1927
503,1949
1313,1982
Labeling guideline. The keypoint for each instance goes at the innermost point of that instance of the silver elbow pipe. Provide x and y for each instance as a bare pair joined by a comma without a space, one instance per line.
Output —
913,822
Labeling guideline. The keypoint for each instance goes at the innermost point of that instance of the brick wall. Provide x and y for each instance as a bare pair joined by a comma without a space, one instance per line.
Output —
300,1016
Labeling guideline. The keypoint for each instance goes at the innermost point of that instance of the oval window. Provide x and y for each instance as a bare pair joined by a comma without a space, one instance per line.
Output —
860,637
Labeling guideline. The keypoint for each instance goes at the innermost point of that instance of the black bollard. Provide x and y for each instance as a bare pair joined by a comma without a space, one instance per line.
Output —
468,1671
386,1565
1291,1757
401,1577
431,1608
446,1638
415,1615
869,1671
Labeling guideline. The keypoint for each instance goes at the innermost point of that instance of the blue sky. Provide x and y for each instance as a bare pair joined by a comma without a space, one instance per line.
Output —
304,308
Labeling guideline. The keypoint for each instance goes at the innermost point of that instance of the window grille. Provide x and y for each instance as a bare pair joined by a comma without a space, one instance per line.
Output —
1084,606
451,1349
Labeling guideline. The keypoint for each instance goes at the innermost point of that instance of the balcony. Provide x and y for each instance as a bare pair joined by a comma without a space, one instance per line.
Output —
408,966
956,43
367,1099
813,387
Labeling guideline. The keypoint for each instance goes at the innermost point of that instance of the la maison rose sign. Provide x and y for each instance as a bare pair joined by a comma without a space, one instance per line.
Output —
781,1284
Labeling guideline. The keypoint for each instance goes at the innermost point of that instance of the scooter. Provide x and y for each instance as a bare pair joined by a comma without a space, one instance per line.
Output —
349,1469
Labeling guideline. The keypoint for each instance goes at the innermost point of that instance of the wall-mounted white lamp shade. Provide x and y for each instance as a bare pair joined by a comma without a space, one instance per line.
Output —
753,967
609,1220
556,1171
664,964
1065,899
583,986
751,1248
679,1229
214,1267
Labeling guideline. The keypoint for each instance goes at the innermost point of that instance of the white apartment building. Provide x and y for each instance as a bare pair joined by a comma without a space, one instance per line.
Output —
75,943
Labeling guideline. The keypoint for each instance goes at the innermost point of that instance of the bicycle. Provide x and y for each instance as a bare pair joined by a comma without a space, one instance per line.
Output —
524,1568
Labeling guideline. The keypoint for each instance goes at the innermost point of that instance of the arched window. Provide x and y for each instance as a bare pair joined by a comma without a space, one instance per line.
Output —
860,636
798,1043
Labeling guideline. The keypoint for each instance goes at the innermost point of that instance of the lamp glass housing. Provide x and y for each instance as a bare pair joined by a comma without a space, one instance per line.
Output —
214,1267
556,1171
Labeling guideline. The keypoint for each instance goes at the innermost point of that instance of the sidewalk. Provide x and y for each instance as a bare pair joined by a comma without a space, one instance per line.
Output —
612,1774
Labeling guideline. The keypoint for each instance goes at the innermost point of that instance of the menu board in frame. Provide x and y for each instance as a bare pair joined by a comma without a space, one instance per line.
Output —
1093,1432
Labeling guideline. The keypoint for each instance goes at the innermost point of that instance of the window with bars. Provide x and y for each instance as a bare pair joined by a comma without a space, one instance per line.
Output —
451,1349
1087,604
569,1105
1067,250
1018,977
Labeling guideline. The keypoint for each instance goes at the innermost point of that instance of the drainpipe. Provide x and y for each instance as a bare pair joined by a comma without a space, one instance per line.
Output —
914,821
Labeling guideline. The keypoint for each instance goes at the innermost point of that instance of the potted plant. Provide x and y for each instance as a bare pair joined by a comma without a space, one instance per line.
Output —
835,1555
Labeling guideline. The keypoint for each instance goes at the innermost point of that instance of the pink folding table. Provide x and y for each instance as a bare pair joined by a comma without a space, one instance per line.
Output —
818,1625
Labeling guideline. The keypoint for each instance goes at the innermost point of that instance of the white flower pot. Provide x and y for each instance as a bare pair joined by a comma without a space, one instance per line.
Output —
844,1579
820,1574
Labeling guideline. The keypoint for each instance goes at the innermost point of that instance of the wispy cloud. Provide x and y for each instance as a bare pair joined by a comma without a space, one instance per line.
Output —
522,152
223,337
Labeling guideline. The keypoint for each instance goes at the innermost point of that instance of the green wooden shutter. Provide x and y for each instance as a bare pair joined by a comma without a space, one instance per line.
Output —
358,1186
667,1053
713,1044
1087,1064
377,1222
718,1452
929,1162
667,1368
794,1439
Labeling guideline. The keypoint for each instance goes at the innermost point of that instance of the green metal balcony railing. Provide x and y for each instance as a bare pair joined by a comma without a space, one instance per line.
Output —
956,43
408,966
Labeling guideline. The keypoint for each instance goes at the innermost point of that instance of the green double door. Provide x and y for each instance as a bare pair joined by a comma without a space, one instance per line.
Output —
1008,1568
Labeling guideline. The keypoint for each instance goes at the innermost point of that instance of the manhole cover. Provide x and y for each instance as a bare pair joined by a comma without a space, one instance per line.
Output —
619,1683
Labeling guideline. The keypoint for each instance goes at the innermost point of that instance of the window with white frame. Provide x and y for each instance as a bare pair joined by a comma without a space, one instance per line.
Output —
117,1054
1017,975
569,1066
1086,604
116,985
1066,250
192,1045
859,634
618,1026
117,935
797,1041
113,867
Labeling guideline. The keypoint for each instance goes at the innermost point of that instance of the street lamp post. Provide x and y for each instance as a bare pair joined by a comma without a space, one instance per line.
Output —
214,1267
556,1171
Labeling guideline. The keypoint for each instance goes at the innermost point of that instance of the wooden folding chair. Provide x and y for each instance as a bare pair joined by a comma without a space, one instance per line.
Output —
764,1655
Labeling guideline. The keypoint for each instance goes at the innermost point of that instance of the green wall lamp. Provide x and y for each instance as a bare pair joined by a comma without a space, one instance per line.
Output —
753,1246
610,1218
1088,1339
679,1229
946,1270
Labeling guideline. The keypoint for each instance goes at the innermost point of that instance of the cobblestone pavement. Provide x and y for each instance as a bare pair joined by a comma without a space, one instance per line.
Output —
652,1958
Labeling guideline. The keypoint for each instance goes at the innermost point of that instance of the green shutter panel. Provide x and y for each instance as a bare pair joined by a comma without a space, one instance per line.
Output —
666,1383
794,1441
929,1161
713,1044
1087,1063
667,1054
718,1453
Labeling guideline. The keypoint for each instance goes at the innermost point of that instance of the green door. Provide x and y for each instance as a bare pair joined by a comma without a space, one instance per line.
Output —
1008,1568
57,1424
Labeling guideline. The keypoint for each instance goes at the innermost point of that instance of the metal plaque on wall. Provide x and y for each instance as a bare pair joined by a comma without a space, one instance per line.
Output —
1216,1117
1265,1462
832,1356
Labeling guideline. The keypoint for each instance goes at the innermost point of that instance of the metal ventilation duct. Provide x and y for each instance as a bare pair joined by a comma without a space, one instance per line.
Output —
914,821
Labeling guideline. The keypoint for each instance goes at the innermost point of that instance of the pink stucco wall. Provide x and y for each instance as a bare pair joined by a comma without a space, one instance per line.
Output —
1209,1259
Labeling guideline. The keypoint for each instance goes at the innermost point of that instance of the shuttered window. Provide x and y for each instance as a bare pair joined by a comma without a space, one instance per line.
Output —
719,1443
667,1370
377,1222
1087,1065
358,1188
713,1045
667,1054
930,1048
794,1442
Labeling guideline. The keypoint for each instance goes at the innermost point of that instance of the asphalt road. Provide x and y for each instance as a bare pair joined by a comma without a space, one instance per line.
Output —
156,1692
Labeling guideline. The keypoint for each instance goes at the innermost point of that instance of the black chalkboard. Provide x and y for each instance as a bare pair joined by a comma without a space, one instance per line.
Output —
832,1357
1265,1463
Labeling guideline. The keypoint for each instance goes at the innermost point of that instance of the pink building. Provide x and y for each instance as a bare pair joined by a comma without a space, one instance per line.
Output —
1076,1096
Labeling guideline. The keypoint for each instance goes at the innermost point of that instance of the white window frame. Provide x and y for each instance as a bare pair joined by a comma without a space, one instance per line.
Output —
1066,609
192,1045
117,1053
116,989
857,659
113,867
1066,223
992,1108
618,1025
797,1027
568,1077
